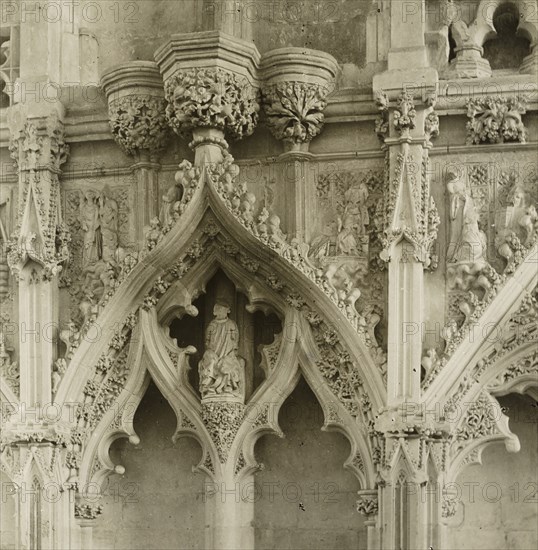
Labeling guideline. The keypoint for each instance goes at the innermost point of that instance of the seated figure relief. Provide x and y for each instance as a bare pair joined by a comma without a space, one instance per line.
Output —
221,370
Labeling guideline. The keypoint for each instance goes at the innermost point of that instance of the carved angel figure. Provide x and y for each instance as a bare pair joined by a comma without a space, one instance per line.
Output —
221,369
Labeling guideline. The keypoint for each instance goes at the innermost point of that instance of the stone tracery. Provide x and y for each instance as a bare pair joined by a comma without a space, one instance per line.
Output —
322,279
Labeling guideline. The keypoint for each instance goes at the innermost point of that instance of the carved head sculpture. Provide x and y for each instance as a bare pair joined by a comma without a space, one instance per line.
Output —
221,310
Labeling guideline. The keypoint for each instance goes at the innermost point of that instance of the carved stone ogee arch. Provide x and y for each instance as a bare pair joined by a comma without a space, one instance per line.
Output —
140,280
152,353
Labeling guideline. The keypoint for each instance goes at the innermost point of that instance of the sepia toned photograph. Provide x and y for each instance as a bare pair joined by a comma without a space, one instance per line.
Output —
268,275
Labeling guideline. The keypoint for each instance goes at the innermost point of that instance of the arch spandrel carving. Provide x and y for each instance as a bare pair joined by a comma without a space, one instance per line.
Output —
166,257
481,423
471,355
153,353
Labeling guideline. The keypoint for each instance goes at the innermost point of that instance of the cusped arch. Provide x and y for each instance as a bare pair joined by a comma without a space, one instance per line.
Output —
153,353
515,372
480,423
139,282
298,356
483,24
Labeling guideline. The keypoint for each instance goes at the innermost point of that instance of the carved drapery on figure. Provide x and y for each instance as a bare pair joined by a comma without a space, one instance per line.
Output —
221,369
467,242
468,268
101,253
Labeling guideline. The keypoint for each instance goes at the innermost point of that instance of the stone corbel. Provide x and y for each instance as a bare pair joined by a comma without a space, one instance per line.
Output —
296,85
367,503
211,86
136,110
368,507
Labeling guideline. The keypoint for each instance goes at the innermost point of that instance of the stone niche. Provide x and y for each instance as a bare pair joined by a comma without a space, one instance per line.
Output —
258,334
158,503
305,498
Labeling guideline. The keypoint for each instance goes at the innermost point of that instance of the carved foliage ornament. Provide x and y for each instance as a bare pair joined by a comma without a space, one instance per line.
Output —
88,511
211,98
139,123
404,115
367,505
496,120
295,110
223,421
480,421
424,235
266,227
40,233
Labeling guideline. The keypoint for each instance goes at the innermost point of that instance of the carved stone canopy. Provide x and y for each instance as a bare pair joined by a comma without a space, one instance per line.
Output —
136,107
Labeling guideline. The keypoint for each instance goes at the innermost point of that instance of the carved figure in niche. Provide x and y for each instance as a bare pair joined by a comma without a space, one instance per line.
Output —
70,336
221,369
345,241
108,215
89,218
467,241
58,370
170,198
528,222
518,224
372,319
348,236
8,369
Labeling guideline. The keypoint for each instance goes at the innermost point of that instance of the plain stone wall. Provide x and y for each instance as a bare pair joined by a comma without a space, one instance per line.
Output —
8,518
503,514
158,503
307,498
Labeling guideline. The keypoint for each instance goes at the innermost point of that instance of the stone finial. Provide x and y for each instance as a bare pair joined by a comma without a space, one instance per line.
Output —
136,108
211,86
297,83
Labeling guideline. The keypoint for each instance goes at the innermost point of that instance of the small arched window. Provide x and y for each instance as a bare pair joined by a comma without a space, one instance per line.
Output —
508,48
